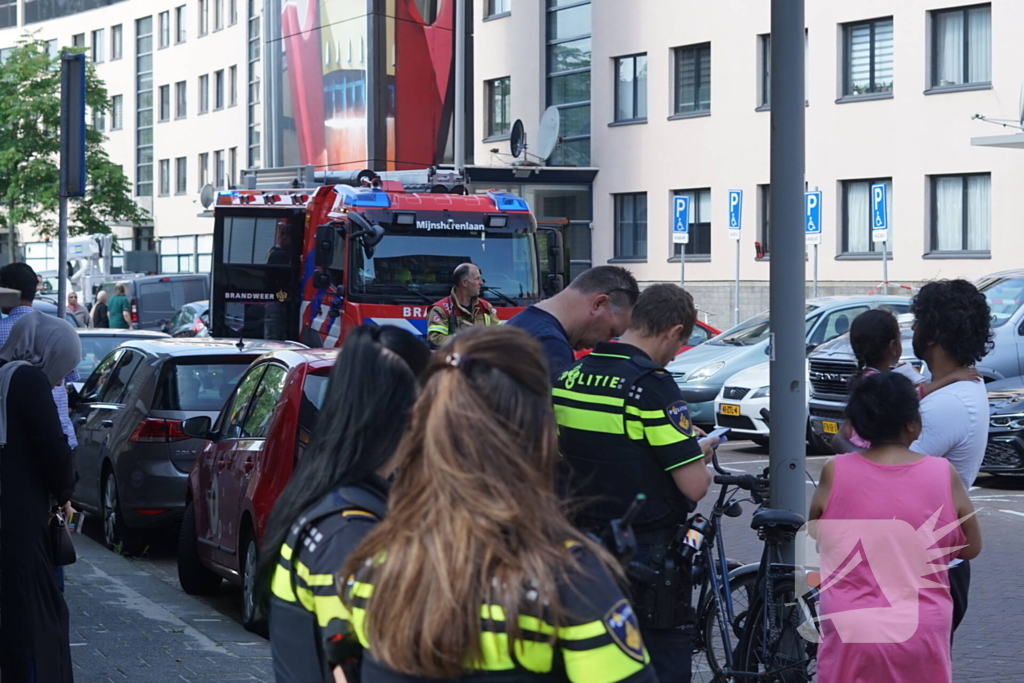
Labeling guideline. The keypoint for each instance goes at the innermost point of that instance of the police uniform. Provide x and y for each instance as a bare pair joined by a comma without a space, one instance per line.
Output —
446,317
599,643
623,427
306,611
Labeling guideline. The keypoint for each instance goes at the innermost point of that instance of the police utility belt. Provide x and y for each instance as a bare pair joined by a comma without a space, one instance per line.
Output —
661,585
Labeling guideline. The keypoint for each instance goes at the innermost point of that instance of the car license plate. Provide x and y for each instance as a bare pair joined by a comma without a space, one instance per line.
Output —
728,409
830,427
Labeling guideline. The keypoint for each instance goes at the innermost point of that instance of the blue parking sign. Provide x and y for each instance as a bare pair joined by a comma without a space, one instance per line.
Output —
735,213
812,217
681,220
879,214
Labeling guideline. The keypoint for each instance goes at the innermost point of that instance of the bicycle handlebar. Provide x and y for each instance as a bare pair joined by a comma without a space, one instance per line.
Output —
745,481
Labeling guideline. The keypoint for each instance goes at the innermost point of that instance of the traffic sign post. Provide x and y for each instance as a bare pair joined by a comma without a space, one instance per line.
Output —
812,229
681,231
880,228
735,223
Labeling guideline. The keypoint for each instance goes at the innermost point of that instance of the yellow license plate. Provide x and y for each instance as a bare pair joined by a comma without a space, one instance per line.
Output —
830,427
727,409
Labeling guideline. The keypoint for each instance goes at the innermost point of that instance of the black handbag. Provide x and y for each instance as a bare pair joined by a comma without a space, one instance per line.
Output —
60,542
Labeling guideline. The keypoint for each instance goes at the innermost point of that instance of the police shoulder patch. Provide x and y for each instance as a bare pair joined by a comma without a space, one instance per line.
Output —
622,625
679,415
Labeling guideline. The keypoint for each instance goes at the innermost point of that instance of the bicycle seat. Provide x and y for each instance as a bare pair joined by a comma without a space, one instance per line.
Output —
784,519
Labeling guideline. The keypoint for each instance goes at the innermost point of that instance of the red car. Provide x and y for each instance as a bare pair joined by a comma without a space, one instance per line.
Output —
252,449
701,333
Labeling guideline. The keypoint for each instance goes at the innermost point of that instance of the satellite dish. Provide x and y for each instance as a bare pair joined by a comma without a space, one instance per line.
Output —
518,139
206,195
547,135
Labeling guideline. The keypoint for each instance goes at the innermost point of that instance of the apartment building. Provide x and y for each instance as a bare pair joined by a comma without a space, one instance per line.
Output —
185,84
659,98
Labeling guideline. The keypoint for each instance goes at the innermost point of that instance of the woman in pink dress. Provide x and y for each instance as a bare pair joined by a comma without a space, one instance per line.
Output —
886,524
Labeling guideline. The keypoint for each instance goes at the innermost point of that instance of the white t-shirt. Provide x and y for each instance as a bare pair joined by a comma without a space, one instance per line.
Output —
955,427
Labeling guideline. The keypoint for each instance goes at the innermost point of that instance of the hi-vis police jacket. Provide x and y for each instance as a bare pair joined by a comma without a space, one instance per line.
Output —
306,608
623,427
439,330
600,643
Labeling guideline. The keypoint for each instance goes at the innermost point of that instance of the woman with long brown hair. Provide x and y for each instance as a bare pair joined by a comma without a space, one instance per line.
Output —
476,573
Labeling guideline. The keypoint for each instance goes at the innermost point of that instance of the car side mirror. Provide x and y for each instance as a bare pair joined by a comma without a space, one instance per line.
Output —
197,427
324,254
811,347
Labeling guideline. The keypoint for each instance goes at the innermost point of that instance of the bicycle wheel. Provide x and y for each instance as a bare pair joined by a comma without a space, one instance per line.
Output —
793,659
709,641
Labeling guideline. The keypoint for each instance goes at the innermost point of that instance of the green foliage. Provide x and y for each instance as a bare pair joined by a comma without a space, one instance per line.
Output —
30,147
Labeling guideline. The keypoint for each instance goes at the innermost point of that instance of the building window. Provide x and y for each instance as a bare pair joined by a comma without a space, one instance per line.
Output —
693,79
204,17
8,13
764,95
496,7
144,107
180,175
631,226
232,86
99,120
631,88
962,46
218,15
180,100
99,45
232,167
254,115
499,106
165,177
218,169
856,226
204,93
700,223
218,89
78,40
867,57
165,29
232,12
961,213
568,81
165,103
116,42
762,245
204,169
180,24
116,112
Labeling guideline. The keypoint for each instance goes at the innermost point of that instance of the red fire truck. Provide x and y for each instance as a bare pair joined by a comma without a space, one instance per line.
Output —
315,256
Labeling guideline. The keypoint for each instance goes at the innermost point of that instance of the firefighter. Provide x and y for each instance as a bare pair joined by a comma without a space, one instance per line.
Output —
461,309
624,429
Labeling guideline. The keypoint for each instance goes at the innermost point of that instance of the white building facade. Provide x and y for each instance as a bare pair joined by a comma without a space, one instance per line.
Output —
667,97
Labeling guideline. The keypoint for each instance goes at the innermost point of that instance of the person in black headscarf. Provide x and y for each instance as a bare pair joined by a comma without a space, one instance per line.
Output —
35,466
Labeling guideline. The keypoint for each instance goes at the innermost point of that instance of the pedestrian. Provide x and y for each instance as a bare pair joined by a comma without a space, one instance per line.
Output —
461,309
476,574
876,340
118,308
99,311
336,495
595,307
952,331
79,313
35,468
875,602
624,429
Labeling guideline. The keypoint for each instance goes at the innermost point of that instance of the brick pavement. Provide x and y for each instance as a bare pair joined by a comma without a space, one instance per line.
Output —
128,625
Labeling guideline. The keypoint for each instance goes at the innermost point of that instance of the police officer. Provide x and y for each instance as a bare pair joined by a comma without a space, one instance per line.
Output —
624,429
461,309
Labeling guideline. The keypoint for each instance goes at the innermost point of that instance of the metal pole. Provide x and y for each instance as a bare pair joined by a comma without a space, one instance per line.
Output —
460,85
682,265
736,311
885,268
62,252
788,269
815,290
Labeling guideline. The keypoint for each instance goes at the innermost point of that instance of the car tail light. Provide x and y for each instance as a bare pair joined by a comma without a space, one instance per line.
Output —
135,311
150,512
197,326
154,430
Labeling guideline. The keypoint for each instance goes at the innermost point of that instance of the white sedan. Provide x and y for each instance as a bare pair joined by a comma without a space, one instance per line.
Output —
740,403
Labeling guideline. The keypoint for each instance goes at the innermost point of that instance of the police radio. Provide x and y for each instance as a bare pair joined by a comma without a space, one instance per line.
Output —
618,537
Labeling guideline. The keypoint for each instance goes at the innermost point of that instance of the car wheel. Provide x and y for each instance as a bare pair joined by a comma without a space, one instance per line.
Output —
761,441
818,445
252,616
116,535
193,575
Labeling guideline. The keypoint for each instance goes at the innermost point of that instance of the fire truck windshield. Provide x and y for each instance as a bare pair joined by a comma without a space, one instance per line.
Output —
423,264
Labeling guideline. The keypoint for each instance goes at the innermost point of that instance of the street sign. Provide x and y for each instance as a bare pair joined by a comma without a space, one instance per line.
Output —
812,217
879,215
735,213
681,220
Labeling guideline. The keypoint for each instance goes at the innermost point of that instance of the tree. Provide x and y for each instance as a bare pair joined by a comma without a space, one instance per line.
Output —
30,147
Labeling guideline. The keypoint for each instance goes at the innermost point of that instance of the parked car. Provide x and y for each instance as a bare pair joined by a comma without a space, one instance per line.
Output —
193,320
50,308
98,343
248,459
703,371
1004,454
701,333
154,299
133,458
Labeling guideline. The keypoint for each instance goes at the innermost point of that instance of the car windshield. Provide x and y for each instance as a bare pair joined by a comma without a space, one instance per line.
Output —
1005,296
201,383
754,330
95,349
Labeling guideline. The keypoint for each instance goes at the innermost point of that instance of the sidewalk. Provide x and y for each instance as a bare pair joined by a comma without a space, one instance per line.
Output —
128,625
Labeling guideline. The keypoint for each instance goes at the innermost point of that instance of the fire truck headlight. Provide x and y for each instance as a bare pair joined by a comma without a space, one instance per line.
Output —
406,218
496,220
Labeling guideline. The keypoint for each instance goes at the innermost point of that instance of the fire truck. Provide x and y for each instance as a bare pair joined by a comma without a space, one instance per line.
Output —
307,257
